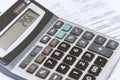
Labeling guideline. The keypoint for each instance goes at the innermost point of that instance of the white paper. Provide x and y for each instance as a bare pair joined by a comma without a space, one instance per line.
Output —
5,4
102,16
94,14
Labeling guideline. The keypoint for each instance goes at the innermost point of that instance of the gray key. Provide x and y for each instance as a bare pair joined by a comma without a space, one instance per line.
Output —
88,35
100,40
45,39
112,44
52,31
42,73
58,24
82,43
100,50
35,51
77,31
55,77
70,38
26,61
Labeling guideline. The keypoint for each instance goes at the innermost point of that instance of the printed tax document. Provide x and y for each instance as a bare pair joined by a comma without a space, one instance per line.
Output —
100,15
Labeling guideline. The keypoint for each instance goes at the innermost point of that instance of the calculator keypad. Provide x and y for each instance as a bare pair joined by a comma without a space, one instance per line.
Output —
71,51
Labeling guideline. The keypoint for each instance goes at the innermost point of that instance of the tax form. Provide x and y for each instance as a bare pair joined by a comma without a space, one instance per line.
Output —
94,14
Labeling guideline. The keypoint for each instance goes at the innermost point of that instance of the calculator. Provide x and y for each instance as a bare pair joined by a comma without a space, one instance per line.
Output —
35,44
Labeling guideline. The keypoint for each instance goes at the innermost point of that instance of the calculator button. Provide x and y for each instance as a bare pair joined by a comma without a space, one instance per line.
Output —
112,44
100,40
62,68
26,61
35,51
89,77
70,38
76,51
67,27
40,59
52,31
50,63
47,50
76,31
61,34
57,54
45,39
58,24
55,76
32,68
82,65
64,46
69,59
75,74
100,61
94,70
101,50
88,35
82,43
42,73
88,56
54,42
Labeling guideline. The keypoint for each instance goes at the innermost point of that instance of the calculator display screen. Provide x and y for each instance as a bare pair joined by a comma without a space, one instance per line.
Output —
16,30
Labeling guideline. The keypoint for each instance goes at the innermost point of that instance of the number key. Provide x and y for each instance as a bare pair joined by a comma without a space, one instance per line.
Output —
82,65
64,46
95,70
69,59
89,77
88,56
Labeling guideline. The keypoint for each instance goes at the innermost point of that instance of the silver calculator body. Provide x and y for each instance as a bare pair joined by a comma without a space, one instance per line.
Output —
37,45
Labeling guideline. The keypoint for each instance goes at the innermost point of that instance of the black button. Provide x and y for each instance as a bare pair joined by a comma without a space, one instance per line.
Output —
94,70
100,61
75,74
63,68
89,77
55,76
58,24
50,63
82,43
88,35
52,31
64,46
57,54
82,65
112,44
100,40
88,56
69,59
76,51
77,31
